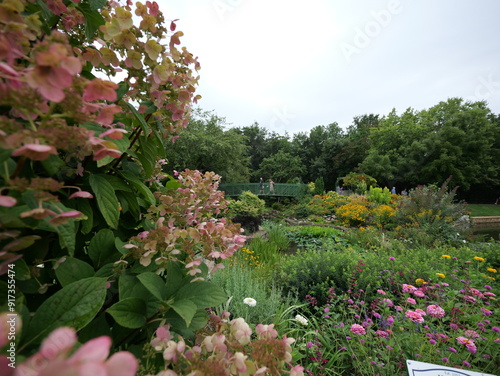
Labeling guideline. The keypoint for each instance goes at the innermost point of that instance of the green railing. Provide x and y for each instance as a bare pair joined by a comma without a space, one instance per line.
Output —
282,190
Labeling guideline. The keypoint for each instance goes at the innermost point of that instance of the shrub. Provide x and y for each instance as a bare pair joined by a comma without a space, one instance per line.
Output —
247,210
431,212
379,195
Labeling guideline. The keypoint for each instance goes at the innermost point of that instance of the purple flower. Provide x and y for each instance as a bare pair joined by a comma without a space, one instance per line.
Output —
389,348
487,287
496,329
452,349
466,363
392,258
445,360
432,342
309,344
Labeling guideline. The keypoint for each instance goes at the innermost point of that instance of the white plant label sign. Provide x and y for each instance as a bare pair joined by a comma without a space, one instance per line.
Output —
427,369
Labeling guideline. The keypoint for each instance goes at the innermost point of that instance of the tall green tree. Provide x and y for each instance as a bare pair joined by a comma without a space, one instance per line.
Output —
281,167
206,145
452,138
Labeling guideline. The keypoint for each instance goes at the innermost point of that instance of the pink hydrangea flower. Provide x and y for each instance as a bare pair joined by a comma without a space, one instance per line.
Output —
90,358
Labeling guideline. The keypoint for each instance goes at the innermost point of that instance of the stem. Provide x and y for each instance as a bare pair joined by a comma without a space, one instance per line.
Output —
19,167
134,140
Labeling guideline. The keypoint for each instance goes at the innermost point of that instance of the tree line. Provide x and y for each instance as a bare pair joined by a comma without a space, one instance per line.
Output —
454,137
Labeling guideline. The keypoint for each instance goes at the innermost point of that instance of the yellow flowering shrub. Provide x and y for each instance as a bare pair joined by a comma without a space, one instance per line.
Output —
383,214
352,214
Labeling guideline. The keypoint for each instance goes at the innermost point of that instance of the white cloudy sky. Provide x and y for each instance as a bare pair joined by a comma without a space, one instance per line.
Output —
292,65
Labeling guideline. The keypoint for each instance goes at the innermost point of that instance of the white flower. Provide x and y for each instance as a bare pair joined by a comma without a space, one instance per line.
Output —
301,319
251,302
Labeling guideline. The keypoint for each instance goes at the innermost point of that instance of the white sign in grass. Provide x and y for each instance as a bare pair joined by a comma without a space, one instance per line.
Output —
427,369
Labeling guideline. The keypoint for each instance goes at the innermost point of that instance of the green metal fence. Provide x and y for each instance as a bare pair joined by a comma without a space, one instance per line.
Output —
281,190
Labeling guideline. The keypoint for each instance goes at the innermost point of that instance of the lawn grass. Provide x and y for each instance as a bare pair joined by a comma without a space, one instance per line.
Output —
478,210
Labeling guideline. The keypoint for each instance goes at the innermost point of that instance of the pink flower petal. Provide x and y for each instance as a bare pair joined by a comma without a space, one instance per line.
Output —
35,152
81,194
122,363
99,89
95,350
7,201
59,341
115,133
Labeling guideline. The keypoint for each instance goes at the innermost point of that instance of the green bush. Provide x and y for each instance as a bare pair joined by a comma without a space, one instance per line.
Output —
247,210
429,216
380,196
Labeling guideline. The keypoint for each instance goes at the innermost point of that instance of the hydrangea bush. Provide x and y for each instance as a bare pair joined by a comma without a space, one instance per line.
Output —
98,239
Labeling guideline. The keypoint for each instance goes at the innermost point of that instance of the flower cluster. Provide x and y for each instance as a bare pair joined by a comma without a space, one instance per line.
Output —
184,226
232,349
56,357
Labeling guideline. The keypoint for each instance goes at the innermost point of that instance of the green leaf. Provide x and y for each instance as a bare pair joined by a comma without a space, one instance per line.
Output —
106,199
53,164
185,309
122,90
83,205
129,203
130,287
97,4
93,18
179,324
22,270
204,294
72,270
147,155
154,284
75,305
138,116
129,312
174,278
67,235
102,248
140,186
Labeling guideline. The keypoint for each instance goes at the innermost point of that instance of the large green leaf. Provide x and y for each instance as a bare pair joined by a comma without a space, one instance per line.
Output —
106,199
102,248
67,235
129,312
72,270
154,284
185,309
140,186
75,305
204,294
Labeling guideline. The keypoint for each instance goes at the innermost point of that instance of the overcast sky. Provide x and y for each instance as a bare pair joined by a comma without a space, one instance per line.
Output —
292,65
